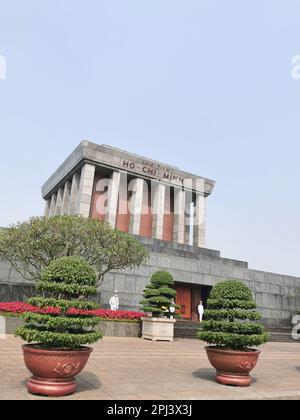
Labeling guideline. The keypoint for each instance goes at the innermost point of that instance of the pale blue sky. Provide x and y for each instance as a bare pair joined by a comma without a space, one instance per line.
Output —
201,84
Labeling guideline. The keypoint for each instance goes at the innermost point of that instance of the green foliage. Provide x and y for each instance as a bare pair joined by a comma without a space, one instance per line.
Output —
63,304
32,245
232,327
159,294
68,281
233,341
72,289
229,318
70,322
51,339
70,271
162,278
232,314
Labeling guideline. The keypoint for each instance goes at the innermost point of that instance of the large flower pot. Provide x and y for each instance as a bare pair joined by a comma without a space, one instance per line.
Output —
54,371
233,367
158,329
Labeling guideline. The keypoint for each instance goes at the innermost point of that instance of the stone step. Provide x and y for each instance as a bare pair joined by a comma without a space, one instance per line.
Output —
282,338
186,329
189,329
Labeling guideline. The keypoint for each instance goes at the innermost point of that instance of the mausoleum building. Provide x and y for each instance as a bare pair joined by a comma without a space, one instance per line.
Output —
165,209
132,193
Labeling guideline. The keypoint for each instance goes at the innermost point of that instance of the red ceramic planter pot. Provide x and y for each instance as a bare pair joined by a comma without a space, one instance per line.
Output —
54,371
233,367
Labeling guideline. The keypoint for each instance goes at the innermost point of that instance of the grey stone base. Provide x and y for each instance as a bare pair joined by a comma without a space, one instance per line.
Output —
21,292
16,292
277,296
158,329
120,329
9,324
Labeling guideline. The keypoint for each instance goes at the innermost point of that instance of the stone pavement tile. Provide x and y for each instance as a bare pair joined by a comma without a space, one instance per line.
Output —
126,397
87,394
120,368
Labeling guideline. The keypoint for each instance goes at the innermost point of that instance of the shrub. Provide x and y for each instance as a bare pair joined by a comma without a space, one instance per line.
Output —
159,294
68,281
229,318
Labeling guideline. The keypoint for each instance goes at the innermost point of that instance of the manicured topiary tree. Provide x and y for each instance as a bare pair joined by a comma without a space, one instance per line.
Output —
67,282
230,318
159,294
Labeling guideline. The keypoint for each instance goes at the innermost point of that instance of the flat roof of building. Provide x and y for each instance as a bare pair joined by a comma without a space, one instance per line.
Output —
113,158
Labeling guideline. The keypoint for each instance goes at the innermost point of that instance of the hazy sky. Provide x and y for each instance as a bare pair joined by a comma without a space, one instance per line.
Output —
205,85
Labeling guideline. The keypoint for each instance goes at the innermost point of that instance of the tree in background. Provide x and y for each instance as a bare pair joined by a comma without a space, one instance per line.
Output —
32,245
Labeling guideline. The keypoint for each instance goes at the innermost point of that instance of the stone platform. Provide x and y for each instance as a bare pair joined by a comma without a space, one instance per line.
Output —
277,296
124,368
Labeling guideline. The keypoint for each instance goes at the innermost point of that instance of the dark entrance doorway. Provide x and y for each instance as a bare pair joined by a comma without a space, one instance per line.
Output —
189,297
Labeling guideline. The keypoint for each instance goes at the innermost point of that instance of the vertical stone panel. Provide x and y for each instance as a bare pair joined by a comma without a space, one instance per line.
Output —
47,208
168,215
59,201
66,198
188,188
199,221
52,205
113,199
146,218
136,205
179,216
73,204
158,209
86,189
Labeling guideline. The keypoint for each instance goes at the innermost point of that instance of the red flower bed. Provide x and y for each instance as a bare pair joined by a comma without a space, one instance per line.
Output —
19,308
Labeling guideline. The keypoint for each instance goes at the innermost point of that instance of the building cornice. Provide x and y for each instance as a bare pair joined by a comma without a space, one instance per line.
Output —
116,159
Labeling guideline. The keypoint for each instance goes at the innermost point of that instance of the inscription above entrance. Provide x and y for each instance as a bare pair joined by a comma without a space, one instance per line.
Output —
152,169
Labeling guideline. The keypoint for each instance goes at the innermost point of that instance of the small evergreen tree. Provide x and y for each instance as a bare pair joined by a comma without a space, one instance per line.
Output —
159,295
229,318
67,281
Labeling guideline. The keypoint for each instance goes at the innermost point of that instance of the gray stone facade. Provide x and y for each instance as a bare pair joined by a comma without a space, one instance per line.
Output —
276,295
107,328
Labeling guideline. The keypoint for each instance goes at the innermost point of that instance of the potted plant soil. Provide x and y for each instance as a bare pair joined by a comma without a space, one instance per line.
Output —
159,299
56,353
230,326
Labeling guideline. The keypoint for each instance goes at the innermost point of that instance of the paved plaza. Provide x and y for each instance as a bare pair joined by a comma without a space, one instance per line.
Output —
134,369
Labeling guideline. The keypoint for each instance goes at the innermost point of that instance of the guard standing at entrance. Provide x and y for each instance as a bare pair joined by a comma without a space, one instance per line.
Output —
201,311
114,302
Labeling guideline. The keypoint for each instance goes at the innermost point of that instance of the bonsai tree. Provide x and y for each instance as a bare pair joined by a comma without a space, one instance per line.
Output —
229,318
67,281
160,295
32,245
231,325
